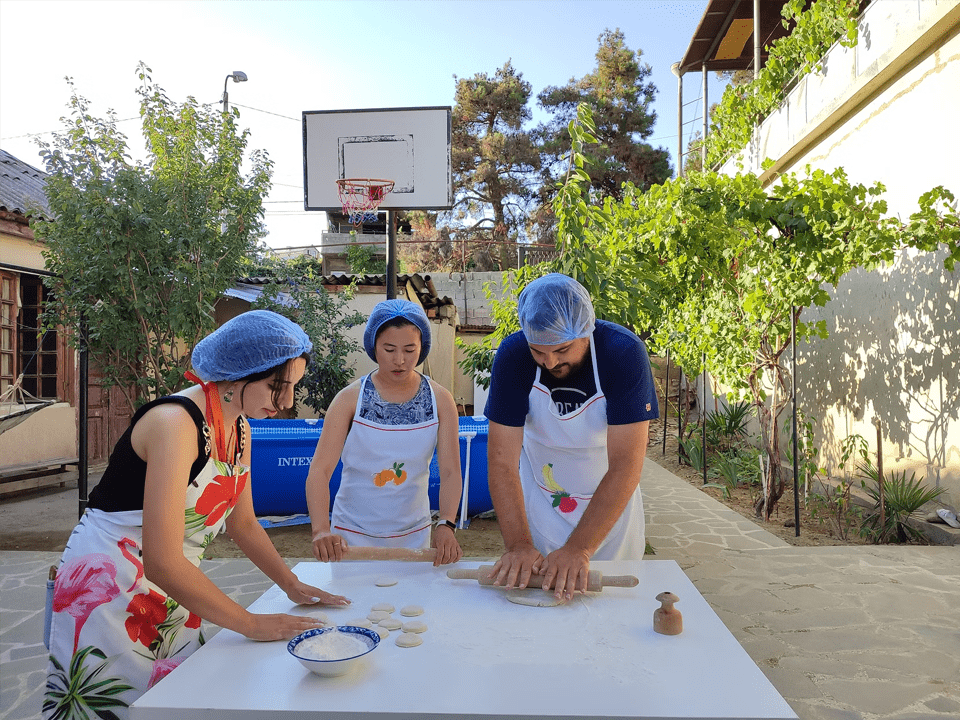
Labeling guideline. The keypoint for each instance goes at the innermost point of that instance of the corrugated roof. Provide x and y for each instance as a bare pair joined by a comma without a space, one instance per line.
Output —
22,187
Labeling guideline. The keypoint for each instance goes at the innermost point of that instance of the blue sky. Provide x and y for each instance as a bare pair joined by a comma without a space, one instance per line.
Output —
316,56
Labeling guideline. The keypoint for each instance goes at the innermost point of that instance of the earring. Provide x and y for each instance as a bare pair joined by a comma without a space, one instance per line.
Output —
228,396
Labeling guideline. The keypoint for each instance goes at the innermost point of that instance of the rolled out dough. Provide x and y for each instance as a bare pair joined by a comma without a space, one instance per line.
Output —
411,611
384,607
533,598
414,626
386,581
390,623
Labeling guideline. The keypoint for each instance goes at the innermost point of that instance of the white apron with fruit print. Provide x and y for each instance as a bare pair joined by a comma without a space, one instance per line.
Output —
564,458
114,634
382,500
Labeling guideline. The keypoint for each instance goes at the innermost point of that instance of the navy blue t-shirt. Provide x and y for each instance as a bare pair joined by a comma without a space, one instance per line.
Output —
622,365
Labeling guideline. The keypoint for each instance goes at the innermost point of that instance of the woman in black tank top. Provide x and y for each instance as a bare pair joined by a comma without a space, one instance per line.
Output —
129,595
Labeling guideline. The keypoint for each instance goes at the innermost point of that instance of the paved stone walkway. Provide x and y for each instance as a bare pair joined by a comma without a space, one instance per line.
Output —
844,633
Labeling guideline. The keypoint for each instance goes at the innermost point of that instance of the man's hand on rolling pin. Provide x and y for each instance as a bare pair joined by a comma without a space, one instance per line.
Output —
515,567
448,549
565,570
328,547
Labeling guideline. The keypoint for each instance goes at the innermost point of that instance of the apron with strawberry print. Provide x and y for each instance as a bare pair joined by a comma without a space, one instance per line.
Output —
563,460
382,500
114,634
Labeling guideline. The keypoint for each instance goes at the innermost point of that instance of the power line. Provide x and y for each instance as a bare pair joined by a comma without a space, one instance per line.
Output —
50,132
266,112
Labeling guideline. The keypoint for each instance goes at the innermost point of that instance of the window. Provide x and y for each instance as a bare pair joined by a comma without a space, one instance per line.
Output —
8,330
37,350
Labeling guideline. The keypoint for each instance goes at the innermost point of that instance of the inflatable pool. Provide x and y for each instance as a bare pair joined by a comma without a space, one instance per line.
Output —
281,451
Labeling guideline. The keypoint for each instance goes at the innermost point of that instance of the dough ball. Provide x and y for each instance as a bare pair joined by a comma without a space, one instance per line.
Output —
408,640
321,617
386,581
533,598
360,622
384,607
415,626
390,623
411,611
382,632
377,615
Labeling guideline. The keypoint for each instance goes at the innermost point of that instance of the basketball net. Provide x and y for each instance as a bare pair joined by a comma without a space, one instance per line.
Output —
361,197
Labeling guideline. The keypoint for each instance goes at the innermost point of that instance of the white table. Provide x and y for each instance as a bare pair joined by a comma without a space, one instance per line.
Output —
484,657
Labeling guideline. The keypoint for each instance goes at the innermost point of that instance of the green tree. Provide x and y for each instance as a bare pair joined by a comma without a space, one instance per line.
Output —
620,95
296,291
140,251
737,263
494,163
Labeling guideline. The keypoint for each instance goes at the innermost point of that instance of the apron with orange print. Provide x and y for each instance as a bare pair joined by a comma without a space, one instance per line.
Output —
563,460
382,500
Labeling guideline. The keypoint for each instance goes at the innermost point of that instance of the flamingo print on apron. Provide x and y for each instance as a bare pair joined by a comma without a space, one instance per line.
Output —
382,500
563,460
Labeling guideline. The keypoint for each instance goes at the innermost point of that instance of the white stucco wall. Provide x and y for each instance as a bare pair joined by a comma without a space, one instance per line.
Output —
886,111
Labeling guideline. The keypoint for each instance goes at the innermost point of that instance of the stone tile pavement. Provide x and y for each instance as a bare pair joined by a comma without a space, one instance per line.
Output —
843,633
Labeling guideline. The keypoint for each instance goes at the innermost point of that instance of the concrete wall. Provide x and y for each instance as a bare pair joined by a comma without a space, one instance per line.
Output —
466,290
885,111
45,434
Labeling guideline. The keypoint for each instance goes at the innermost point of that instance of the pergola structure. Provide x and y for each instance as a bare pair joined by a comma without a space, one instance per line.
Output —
722,41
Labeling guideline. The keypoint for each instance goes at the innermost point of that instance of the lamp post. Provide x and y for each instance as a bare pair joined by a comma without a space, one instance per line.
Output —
238,76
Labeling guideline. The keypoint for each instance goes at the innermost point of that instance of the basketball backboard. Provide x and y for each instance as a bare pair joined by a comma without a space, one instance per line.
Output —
410,146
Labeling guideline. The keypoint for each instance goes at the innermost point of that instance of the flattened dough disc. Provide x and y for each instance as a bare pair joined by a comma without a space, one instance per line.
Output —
533,598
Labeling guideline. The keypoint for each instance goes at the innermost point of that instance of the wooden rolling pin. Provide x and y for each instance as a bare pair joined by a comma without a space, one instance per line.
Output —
360,552
595,579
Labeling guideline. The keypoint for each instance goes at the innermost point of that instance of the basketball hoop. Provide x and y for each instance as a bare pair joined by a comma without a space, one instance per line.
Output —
361,197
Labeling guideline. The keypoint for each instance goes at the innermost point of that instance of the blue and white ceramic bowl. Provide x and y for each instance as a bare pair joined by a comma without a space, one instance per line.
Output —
340,666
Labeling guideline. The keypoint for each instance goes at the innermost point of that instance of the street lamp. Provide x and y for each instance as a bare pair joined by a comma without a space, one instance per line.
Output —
238,76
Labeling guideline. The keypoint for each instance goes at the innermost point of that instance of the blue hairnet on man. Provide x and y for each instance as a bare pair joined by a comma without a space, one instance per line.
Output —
570,404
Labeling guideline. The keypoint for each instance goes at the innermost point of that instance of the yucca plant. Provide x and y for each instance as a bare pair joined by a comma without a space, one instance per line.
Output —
727,427
902,499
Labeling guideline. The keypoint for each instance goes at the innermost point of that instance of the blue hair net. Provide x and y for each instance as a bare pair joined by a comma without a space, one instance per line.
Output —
388,310
555,309
249,343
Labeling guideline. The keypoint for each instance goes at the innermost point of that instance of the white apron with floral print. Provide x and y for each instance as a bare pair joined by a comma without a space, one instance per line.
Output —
115,634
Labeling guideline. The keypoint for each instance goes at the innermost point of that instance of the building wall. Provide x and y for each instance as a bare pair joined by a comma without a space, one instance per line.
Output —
51,432
884,111
467,292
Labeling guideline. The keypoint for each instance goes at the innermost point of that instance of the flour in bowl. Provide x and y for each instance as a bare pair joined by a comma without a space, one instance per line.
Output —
332,645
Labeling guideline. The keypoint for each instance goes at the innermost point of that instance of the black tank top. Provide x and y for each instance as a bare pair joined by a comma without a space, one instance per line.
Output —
122,485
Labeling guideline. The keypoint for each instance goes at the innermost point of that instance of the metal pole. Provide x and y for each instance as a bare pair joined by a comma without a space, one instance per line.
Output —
391,254
793,391
703,419
756,37
666,402
675,69
706,106
82,410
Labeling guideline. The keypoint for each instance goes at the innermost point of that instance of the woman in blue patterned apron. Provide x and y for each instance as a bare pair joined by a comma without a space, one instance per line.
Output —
129,594
385,427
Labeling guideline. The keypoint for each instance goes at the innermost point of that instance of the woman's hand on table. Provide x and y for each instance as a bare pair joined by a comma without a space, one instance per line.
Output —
265,628
448,549
303,594
515,567
328,547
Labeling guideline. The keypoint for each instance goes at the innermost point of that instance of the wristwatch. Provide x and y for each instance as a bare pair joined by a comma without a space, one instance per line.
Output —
441,521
